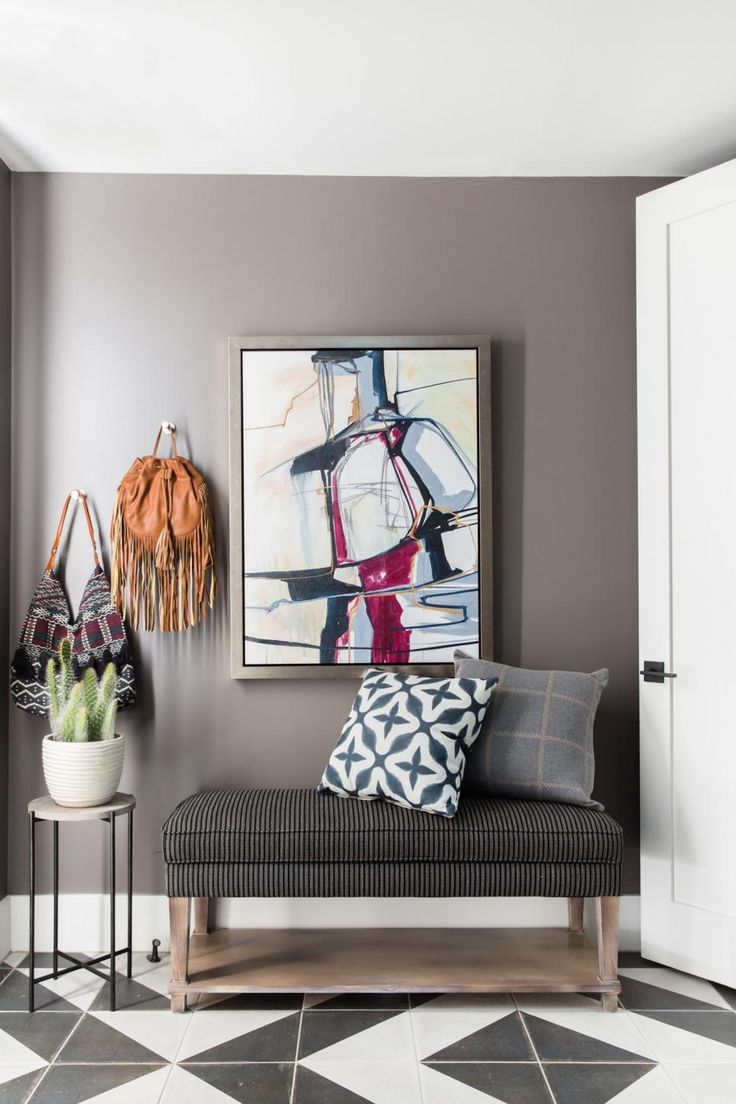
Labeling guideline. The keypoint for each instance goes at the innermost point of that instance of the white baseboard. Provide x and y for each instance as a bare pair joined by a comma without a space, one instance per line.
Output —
5,938
84,923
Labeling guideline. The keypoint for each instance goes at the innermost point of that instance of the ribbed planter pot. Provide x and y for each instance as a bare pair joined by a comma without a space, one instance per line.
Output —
79,775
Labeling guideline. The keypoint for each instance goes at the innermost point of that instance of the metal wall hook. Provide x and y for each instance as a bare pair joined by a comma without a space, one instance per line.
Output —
168,427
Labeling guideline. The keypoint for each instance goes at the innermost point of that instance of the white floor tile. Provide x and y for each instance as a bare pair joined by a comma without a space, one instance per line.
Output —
674,1044
79,988
614,1028
184,1088
14,958
654,1087
143,1090
684,984
439,1089
436,1029
14,1053
384,1082
701,1084
390,1041
161,1032
7,1073
209,1028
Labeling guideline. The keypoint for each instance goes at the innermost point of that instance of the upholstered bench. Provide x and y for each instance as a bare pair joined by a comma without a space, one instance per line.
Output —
297,843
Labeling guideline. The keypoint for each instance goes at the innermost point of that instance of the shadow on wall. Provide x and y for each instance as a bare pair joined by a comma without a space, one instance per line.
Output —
507,382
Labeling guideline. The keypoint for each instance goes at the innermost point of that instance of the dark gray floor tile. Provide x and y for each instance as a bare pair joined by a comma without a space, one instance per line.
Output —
72,1084
14,996
632,960
252,1083
594,1084
94,1041
322,1029
130,996
513,1083
19,1089
367,1002
247,1001
560,1044
310,1088
42,1032
720,1026
276,1042
502,1041
638,995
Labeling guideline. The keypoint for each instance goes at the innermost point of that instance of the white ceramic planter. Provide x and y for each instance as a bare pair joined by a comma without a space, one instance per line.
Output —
79,775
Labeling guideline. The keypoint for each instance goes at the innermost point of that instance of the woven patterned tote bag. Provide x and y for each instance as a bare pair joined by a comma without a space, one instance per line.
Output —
97,635
163,543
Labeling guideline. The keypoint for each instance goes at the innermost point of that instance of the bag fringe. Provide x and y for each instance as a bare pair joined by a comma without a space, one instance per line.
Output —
175,575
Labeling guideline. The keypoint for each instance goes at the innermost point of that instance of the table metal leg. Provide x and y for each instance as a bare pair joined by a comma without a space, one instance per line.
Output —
55,964
112,912
130,893
32,910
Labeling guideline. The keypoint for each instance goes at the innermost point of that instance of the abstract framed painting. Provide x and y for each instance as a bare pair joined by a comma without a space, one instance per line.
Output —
360,504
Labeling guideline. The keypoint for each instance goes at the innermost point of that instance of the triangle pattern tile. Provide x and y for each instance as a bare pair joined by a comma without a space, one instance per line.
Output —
45,960
186,1088
72,991
312,1088
212,1031
43,1033
440,1088
274,1042
729,995
718,1026
93,1037
701,1084
251,1082
159,1032
154,975
585,1084
14,996
15,1085
15,1052
639,995
673,1039
364,1002
503,1041
436,1029
380,1082
508,1082
222,1002
144,1090
556,1043
679,984
129,994
74,1084
348,1036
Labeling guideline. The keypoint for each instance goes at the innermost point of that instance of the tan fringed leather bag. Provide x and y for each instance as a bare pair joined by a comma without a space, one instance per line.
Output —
163,541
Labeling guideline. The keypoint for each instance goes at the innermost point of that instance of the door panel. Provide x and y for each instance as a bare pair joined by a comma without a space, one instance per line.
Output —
686,331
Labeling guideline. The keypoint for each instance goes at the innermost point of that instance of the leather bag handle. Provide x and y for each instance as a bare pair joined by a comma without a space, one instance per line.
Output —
154,450
55,546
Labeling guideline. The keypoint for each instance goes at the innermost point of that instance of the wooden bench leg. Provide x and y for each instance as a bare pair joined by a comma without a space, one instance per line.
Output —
607,909
201,916
575,914
179,936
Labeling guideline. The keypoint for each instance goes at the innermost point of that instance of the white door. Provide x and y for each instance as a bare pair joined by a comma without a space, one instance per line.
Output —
686,307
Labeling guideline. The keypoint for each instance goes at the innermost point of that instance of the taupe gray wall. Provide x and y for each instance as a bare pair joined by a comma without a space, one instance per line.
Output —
5,311
126,290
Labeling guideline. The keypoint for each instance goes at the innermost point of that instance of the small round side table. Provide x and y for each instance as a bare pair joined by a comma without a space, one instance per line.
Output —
45,808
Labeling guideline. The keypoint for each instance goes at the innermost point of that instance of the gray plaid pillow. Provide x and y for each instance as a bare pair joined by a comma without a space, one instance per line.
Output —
537,739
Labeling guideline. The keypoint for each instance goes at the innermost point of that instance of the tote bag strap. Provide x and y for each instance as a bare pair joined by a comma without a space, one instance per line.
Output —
154,450
55,546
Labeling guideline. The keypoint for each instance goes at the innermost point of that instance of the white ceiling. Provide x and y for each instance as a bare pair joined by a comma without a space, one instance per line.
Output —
368,87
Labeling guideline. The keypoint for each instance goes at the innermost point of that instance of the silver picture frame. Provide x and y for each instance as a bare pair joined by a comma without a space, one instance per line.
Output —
239,508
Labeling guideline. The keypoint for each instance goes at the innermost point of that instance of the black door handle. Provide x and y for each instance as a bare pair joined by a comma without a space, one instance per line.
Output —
654,671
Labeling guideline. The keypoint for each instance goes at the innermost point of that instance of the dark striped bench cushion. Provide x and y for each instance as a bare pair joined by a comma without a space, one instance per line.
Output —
302,827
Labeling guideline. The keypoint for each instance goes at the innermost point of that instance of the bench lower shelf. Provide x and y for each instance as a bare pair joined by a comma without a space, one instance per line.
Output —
355,960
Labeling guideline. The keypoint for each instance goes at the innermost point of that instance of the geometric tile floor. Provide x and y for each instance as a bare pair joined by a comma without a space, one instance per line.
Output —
673,1041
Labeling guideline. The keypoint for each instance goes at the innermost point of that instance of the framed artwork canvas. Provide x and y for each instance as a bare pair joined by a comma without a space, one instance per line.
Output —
360,504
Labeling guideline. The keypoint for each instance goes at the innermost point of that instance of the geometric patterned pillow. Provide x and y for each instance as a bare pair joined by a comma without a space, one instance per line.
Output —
406,739
537,742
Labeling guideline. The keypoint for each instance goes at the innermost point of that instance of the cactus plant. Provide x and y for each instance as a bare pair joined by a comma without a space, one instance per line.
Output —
81,711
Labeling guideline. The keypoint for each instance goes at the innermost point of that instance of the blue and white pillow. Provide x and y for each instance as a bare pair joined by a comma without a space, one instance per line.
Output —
406,739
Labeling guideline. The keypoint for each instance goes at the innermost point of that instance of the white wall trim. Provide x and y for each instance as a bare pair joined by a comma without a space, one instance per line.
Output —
5,937
83,917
